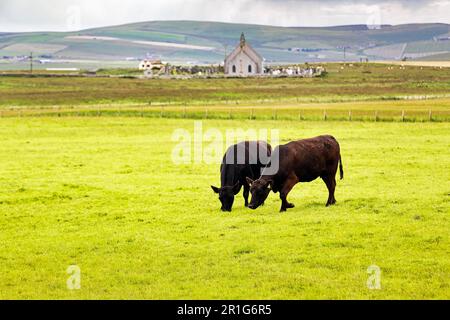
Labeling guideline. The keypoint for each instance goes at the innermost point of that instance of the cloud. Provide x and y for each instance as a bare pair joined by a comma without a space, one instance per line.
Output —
63,15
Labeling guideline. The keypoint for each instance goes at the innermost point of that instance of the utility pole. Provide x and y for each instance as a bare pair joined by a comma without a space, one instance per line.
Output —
31,62
345,53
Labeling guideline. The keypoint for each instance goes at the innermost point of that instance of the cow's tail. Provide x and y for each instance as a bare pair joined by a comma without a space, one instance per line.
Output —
341,168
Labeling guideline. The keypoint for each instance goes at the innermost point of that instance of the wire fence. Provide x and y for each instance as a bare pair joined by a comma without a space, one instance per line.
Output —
238,113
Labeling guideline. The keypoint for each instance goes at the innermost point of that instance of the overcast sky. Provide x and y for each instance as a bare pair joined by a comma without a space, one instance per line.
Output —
65,15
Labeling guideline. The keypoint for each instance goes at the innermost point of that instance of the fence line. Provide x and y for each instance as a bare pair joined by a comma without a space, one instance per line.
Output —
241,113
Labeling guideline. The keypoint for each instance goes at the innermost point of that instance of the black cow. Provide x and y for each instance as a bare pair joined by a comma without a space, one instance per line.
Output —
242,160
299,161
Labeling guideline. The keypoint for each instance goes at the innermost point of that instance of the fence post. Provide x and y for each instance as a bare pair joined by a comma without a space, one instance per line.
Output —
184,112
350,115
162,112
252,114
430,116
325,115
231,115
403,115
206,113
300,117
275,114
376,116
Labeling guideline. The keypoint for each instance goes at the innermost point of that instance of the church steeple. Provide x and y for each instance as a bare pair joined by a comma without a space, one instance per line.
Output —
242,40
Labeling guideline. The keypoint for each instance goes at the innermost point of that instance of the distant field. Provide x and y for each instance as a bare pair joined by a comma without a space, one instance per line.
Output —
103,194
436,110
420,63
276,44
347,92
344,82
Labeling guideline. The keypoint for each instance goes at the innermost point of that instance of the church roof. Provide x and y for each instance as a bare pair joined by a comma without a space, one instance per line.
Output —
247,49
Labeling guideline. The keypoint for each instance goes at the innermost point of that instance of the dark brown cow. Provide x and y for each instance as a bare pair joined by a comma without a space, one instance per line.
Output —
299,161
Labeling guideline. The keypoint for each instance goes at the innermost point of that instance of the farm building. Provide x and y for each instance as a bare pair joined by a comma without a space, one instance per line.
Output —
243,61
154,65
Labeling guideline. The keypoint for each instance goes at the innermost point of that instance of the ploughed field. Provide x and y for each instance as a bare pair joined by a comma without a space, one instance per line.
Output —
103,193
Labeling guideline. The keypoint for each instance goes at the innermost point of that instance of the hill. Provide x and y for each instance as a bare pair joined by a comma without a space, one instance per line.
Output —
207,42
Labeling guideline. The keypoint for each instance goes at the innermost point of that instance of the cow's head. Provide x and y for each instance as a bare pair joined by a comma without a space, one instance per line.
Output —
259,190
226,195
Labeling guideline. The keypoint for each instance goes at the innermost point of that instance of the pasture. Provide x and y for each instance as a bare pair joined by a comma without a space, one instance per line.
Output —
103,194
87,179
344,83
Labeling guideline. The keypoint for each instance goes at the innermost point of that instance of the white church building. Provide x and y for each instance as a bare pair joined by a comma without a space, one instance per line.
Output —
243,61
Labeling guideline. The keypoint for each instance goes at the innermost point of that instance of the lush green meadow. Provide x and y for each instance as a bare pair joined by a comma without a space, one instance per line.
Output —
104,194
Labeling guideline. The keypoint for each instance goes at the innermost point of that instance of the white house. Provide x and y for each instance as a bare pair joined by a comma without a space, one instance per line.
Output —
243,61
148,64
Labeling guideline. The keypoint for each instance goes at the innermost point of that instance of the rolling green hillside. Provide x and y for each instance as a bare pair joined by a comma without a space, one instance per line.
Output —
207,42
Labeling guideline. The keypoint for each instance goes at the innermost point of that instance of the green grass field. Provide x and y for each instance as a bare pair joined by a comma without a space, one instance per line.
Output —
103,194
88,180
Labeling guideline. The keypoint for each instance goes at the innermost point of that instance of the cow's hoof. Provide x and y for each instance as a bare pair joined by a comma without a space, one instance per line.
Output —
290,205
283,210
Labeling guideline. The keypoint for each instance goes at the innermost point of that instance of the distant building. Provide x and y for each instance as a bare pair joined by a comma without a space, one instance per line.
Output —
243,61
153,65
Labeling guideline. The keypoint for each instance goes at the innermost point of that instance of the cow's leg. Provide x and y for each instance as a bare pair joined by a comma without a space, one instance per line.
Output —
290,182
330,181
246,193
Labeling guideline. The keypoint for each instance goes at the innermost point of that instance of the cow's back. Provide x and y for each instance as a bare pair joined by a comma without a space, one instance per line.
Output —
309,158
243,160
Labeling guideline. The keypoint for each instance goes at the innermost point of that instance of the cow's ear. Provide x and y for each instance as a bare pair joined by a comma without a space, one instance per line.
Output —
249,181
215,189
